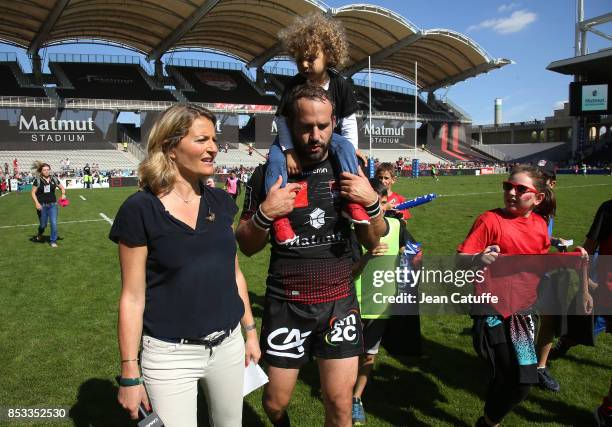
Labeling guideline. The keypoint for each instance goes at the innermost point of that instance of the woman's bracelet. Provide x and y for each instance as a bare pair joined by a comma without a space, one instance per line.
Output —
129,382
374,209
129,360
261,221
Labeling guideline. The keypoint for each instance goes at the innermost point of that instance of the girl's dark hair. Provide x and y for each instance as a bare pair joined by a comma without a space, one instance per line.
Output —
548,207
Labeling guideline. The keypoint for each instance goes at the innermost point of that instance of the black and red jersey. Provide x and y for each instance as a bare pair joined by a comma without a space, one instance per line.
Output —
316,267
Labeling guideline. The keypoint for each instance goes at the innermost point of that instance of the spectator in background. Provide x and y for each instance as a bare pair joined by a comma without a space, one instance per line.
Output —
15,167
210,182
87,179
232,185
67,163
6,169
3,184
125,146
43,195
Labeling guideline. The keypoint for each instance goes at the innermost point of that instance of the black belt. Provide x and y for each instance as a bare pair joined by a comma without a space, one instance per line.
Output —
207,341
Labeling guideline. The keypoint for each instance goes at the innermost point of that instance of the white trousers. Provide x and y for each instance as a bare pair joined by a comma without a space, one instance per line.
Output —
171,373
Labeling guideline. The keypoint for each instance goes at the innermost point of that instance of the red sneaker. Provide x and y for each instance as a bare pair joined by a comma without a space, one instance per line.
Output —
283,232
356,213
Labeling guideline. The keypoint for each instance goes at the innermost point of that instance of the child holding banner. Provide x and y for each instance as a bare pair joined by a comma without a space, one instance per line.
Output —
506,340
384,172
317,44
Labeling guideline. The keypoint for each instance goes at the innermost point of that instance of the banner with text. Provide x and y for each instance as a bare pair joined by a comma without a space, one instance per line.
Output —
386,133
56,129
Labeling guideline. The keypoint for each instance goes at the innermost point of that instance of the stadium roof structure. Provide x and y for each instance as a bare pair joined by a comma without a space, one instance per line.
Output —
247,29
593,65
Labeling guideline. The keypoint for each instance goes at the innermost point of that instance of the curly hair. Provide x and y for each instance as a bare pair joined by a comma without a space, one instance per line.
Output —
307,34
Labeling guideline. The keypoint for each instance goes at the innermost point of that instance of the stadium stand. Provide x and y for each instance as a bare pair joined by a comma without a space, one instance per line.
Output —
240,156
392,155
14,83
129,131
218,85
107,159
106,81
246,133
398,102
555,151
387,98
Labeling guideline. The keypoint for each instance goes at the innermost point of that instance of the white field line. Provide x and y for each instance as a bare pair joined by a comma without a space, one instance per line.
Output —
61,222
497,192
83,198
107,219
5,194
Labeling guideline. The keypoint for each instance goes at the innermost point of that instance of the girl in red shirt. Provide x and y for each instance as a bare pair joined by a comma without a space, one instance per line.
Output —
507,342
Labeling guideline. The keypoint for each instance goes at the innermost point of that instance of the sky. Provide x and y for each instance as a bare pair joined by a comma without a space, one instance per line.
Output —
532,33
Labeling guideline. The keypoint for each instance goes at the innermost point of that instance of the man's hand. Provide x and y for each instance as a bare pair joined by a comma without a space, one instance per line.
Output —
380,249
38,206
279,201
293,163
357,188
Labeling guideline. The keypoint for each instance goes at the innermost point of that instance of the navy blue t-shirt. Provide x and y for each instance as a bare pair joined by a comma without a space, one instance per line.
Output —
190,274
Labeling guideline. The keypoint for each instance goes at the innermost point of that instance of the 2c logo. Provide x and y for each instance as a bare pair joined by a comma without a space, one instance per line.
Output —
343,330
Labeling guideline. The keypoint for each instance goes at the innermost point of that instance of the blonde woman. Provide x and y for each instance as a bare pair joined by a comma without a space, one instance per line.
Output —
183,294
45,201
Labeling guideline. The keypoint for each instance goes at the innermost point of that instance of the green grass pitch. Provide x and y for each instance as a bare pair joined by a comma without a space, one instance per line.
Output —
59,311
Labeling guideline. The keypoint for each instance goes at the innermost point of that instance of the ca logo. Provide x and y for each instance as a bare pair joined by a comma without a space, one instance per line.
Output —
292,344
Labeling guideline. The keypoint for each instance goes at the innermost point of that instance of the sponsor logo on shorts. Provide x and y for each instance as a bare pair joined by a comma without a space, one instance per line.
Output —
343,330
283,342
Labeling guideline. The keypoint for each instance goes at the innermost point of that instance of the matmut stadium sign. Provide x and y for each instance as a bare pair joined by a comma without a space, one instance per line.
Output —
54,130
51,129
386,134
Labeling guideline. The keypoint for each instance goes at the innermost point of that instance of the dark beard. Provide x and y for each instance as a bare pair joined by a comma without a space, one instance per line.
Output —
307,157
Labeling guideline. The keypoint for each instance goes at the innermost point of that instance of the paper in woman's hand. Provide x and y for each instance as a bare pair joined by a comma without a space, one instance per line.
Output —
254,377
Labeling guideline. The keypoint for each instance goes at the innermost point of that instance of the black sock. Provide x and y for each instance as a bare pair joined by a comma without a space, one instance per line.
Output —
283,422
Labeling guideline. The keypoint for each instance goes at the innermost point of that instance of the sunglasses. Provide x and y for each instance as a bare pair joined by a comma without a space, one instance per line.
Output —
519,188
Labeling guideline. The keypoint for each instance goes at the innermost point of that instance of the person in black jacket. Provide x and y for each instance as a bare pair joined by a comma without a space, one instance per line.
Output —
45,201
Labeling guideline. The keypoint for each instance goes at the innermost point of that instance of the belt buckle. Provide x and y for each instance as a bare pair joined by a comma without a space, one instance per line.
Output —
213,342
